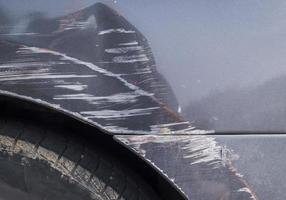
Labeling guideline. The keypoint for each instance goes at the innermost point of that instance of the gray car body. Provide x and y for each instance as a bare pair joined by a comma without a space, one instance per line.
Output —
96,67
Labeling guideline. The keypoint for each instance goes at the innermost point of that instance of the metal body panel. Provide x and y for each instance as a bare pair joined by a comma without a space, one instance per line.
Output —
261,160
97,67
199,165
242,167
94,64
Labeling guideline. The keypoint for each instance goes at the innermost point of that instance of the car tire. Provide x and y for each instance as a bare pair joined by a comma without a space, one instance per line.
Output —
38,163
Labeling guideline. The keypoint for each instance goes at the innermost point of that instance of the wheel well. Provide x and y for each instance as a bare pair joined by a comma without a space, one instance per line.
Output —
41,114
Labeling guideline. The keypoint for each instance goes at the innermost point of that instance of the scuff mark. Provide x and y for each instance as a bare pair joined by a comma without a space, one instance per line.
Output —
72,87
41,76
201,152
118,30
116,98
71,24
113,129
198,149
21,63
123,50
31,50
129,43
131,59
141,152
109,114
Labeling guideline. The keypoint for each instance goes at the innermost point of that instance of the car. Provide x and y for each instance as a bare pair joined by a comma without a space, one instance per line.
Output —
86,114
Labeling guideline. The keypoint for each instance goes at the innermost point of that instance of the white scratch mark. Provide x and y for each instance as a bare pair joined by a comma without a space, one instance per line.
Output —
118,30
18,34
131,59
41,76
123,50
72,87
71,24
197,149
106,114
129,43
22,63
29,50
112,129
116,98
166,128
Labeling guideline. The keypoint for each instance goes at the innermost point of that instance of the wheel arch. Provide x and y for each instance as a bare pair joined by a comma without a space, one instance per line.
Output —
41,112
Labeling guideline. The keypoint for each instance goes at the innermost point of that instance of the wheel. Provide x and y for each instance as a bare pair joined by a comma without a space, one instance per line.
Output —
39,163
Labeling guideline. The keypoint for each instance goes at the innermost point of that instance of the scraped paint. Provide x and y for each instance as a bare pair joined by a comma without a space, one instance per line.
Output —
129,43
72,87
123,50
109,114
31,50
118,30
123,98
131,59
